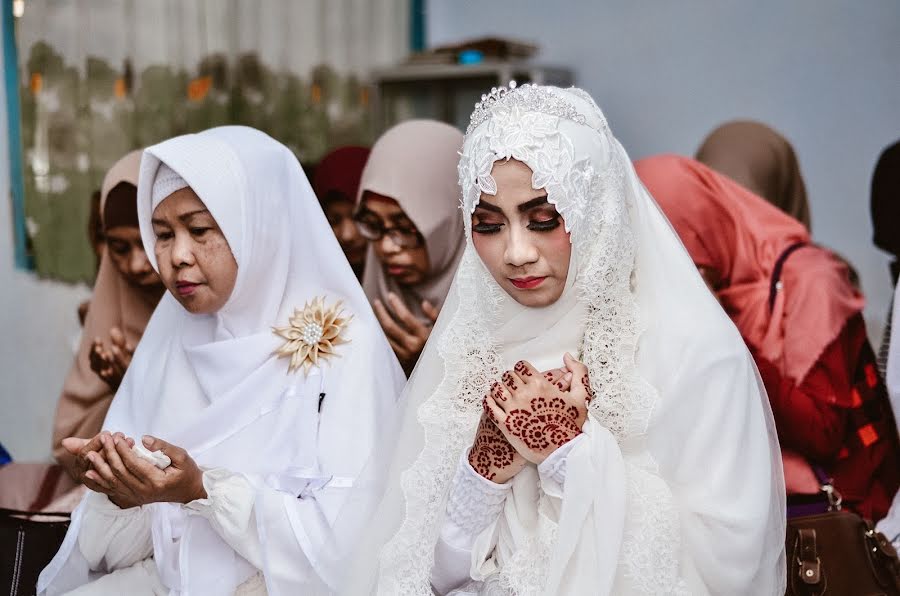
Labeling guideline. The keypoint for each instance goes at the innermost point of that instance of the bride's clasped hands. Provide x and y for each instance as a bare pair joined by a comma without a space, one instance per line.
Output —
529,415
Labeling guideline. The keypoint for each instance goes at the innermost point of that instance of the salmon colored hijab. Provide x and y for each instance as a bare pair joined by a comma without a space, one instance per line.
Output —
414,163
761,159
740,236
85,397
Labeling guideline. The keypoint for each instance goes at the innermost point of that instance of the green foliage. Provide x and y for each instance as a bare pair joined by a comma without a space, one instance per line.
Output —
77,120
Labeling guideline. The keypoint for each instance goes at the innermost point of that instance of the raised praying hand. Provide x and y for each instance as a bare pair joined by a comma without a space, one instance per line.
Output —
406,334
536,415
110,361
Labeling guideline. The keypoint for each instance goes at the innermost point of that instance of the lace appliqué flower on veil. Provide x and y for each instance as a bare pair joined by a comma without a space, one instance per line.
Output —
534,138
313,334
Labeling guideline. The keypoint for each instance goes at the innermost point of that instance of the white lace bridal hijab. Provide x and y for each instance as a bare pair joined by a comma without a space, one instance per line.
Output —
678,487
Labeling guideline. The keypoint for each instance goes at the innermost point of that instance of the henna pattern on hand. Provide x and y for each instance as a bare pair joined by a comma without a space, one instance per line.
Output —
522,369
491,452
548,422
509,381
497,392
488,410
587,388
549,376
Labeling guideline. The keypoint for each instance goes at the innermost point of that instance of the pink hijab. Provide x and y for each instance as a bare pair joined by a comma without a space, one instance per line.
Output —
728,229
414,163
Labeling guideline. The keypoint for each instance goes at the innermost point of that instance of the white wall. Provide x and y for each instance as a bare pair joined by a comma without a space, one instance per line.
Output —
38,320
824,72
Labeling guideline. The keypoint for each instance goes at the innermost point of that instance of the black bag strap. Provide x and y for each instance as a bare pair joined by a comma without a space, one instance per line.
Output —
18,513
775,282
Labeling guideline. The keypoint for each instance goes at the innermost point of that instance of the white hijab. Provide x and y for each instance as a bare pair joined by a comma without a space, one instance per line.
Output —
212,383
677,487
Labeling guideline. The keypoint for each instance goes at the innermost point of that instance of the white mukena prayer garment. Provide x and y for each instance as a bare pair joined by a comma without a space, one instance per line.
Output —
675,485
280,448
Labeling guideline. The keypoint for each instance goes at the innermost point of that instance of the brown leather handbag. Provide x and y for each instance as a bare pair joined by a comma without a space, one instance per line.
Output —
839,553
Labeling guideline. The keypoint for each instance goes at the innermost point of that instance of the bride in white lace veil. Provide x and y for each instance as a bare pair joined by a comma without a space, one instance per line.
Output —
675,485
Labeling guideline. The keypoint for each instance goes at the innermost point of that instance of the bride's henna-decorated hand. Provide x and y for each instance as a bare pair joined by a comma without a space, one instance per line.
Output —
536,416
491,455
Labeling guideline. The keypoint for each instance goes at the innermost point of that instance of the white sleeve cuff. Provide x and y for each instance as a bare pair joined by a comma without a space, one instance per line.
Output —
552,471
228,503
473,504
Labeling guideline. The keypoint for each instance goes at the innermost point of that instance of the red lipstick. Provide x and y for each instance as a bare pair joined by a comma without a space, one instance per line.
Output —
527,283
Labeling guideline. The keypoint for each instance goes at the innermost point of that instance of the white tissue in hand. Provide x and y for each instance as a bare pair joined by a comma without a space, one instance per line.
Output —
157,458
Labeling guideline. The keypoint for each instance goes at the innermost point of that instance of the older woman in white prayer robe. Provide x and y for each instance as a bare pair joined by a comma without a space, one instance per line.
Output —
628,448
263,377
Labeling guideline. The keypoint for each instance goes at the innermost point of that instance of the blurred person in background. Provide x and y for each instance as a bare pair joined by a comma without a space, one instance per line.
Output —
336,184
760,159
802,320
98,245
125,293
885,211
409,212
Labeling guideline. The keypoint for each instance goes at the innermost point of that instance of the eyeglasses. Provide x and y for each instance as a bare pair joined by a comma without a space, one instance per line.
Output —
372,229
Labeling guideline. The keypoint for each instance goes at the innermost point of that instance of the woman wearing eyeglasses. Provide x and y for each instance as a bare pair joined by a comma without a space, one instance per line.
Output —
409,212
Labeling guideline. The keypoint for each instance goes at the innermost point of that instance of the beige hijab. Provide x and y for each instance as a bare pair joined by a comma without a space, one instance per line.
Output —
760,159
85,397
414,163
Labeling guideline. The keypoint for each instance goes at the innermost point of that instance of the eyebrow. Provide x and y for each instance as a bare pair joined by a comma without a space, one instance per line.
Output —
529,204
190,214
183,217
399,218
482,204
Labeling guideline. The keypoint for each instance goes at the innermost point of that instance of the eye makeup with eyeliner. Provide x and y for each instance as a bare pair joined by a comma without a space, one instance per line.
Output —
542,216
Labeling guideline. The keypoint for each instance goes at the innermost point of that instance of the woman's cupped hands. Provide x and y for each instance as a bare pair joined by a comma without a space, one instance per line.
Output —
108,464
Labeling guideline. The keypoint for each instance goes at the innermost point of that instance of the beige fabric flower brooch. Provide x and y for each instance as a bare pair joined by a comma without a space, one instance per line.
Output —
313,334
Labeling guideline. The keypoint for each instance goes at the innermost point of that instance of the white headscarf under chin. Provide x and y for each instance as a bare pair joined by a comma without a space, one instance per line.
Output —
677,487
212,384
